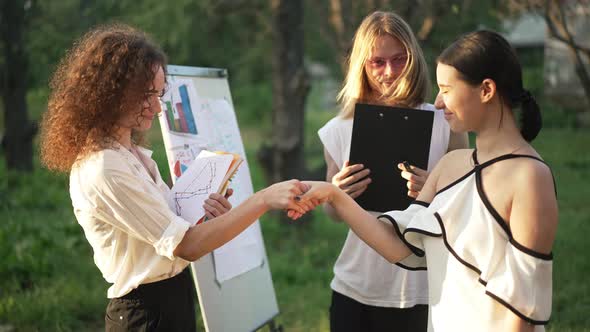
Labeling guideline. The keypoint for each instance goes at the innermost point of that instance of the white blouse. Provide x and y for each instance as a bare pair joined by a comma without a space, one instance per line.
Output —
127,218
478,275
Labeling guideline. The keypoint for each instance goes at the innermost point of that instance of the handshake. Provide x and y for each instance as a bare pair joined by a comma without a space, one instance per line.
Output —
294,196
297,197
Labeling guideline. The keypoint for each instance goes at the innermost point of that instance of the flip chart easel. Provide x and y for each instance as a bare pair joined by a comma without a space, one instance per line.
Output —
246,302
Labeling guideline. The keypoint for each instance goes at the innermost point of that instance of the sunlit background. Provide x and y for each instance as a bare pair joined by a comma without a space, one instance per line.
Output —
48,280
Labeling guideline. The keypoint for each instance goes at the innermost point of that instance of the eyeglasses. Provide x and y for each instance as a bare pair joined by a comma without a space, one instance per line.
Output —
157,93
398,61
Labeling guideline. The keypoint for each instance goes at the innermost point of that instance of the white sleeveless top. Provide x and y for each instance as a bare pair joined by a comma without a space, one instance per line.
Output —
361,273
477,273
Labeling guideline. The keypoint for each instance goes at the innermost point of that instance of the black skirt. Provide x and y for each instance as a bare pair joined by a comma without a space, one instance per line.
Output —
347,314
165,305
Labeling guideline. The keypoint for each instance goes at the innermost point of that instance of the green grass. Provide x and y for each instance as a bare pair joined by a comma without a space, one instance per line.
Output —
48,280
567,153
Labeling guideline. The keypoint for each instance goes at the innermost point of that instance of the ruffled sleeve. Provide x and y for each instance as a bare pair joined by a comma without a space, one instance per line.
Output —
411,225
522,282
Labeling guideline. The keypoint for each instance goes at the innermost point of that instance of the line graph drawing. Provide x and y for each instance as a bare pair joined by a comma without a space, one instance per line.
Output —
204,176
201,184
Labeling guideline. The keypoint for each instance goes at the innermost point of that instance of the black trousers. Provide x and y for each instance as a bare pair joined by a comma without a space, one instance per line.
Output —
348,315
166,305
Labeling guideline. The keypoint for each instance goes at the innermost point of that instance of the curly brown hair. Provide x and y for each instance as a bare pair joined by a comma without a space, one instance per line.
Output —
105,75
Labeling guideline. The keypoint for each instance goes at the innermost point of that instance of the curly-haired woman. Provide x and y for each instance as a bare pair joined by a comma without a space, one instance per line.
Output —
104,96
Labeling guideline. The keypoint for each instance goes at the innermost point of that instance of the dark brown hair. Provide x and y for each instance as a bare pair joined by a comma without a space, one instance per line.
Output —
485,54
102,78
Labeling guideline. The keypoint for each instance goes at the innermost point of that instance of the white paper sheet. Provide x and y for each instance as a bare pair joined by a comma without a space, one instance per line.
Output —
213,127
202,178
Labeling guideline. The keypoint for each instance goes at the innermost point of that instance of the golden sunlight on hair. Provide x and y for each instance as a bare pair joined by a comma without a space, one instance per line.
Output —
411,87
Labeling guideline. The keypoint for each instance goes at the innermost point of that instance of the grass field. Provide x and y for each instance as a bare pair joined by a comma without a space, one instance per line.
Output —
48,281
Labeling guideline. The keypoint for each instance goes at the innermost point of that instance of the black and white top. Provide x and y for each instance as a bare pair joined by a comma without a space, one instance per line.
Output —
478,275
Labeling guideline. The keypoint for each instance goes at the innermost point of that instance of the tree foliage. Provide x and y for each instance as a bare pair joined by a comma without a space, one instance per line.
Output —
234,34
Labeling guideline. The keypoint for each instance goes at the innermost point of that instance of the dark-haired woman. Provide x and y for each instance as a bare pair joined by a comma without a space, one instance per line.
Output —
104,96
386,66
484,222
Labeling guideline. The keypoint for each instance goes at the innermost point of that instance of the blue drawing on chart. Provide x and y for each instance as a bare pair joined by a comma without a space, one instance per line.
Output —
186,105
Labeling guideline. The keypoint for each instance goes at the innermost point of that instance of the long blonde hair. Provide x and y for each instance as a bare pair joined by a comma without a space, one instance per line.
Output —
413,84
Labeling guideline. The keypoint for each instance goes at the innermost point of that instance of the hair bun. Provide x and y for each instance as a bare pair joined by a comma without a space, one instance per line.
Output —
525,96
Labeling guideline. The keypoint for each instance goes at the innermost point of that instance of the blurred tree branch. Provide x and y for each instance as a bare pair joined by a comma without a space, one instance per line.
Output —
338,19
335,25
556,13
224,6
558,26
557,23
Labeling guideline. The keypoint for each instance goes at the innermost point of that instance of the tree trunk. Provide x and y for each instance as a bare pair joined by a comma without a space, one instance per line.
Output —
19,132
341,21
283,159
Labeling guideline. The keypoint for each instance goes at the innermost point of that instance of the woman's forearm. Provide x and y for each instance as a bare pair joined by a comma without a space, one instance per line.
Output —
331,212
377,234
208,236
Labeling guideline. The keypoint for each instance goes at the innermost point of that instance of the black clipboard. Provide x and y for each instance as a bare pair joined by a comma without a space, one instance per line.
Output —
382,137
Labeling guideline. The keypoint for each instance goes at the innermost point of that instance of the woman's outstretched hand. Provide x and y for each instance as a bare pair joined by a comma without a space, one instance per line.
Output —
317,192
284,196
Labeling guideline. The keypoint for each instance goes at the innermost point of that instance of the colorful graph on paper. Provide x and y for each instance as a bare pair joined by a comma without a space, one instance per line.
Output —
183,157
213,126
179,111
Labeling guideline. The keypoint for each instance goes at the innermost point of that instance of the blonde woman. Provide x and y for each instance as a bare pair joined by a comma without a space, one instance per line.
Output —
386,66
